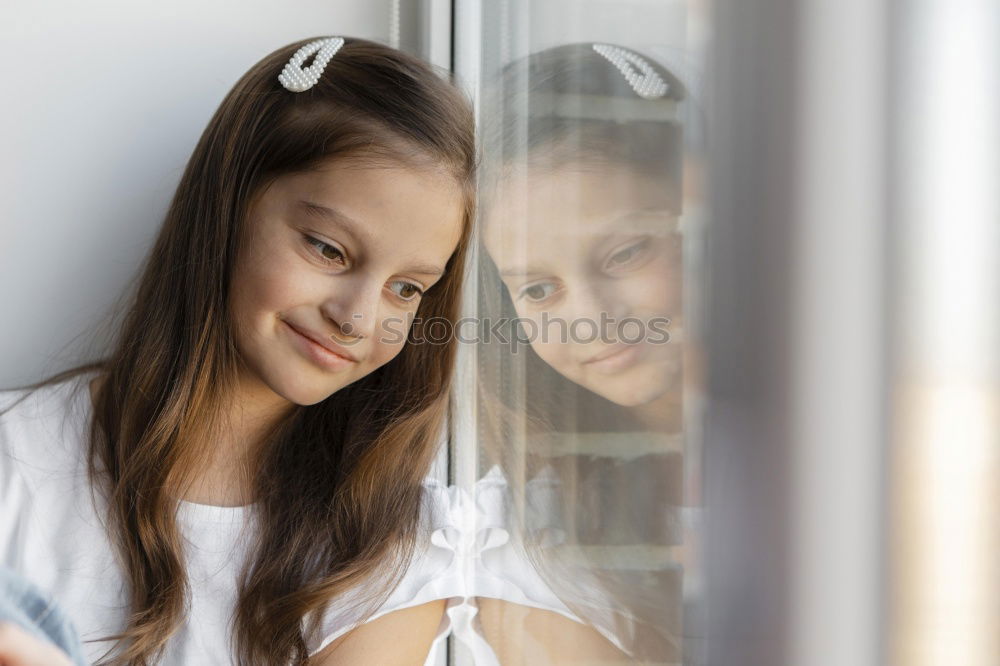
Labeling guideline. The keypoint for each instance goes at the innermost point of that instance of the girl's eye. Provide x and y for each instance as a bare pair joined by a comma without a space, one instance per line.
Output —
626,256
407,290
327,252
538,292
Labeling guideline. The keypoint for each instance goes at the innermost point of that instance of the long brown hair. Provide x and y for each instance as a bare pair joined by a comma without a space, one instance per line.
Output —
338,487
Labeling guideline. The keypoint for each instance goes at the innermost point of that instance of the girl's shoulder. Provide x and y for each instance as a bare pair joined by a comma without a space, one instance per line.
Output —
38,401
42,429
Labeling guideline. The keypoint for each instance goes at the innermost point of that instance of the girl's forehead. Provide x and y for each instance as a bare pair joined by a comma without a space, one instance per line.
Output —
539,186
347,178
577,205
387,155
394,209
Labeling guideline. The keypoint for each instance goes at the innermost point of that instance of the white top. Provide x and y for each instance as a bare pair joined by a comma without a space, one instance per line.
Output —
51,533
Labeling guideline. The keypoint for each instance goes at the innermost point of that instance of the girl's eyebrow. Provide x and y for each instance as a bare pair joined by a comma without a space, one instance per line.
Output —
358,231
425,269
608,229
528,270
340,219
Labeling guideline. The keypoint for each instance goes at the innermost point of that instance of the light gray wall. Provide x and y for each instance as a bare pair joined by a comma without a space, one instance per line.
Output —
102,104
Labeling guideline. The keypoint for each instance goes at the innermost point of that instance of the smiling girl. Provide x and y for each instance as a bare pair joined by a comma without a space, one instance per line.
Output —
242,479
582,230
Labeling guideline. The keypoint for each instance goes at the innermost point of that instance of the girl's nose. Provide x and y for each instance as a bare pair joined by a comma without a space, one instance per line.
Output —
598,301
353,308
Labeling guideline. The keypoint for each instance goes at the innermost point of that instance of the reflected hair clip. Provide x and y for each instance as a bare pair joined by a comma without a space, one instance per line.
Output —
637,71
297,78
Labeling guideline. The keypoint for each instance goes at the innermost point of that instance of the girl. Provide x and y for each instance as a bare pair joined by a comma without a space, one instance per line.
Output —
241,480
582,228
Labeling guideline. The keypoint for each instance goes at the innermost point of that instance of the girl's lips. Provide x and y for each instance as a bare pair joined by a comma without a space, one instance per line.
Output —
318,353
617,358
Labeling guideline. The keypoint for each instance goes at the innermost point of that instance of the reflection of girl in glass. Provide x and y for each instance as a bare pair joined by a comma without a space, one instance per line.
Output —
581,223
241,480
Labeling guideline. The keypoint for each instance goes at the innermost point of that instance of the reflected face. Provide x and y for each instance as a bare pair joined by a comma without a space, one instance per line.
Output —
335,258
592,261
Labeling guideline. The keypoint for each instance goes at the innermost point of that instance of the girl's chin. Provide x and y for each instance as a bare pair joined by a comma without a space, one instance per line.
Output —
296,388
637,394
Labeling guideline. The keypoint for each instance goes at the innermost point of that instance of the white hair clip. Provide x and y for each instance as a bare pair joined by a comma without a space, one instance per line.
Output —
637,71
297,78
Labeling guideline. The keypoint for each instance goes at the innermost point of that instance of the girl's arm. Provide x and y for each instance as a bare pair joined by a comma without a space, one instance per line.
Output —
521,635
19,648
399,638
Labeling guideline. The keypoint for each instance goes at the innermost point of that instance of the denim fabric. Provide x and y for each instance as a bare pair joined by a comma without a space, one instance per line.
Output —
24,604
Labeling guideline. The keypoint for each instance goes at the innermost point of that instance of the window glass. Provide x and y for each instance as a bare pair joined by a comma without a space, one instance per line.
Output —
587,363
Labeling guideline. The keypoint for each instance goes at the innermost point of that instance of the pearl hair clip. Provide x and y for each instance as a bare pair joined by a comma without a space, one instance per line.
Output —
297,78
637,71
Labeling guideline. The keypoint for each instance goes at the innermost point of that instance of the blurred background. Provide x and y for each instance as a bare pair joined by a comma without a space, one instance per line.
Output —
800,466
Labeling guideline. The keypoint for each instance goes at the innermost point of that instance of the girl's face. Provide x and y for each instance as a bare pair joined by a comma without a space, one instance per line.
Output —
333,271
593,259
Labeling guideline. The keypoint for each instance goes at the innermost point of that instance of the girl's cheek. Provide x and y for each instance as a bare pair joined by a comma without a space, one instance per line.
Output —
657,289
283,282
556,352
382,353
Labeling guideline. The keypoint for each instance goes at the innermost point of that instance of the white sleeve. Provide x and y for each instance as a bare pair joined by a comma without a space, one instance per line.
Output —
503,569
15,496
468,553
435,572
